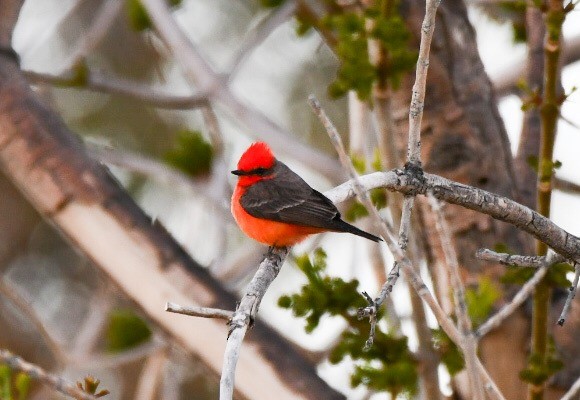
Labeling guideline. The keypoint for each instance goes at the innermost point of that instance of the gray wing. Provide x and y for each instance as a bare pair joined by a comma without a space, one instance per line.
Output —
288,198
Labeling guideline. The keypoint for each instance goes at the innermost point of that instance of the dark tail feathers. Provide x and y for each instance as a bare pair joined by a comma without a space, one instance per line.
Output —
342,226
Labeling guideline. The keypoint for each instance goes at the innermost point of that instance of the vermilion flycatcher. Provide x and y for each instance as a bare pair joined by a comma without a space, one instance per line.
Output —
273,205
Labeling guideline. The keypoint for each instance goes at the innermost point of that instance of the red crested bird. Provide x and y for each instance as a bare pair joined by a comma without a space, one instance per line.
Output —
275,206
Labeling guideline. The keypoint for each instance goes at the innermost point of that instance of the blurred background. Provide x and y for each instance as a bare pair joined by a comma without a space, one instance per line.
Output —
173,154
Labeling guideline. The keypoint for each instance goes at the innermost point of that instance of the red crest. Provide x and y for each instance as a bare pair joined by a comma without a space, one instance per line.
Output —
258,155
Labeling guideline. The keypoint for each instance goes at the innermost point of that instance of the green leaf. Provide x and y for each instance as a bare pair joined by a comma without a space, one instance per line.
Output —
356,211
359,163
379,198
191,153
533,162
481,301
537,372
125,330
5,379
22,385
451,357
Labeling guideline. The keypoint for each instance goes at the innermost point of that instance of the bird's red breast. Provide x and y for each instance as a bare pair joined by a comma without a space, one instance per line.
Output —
272,233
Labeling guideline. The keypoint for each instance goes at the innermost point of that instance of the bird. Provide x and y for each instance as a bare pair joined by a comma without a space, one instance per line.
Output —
275,206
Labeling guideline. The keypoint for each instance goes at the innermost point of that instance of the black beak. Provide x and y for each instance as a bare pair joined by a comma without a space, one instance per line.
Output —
239,172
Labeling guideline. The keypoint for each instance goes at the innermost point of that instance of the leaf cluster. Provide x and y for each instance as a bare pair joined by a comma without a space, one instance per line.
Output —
191,153
556,276
378,195
448,351
388,365
90,385
537,371
356,71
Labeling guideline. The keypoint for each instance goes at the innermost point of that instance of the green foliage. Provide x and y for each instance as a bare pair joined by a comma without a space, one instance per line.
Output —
91,385
13,387
191,153
125,330
379,198
377,165
356,211
356,72
359,163
556,276
533,162
388,365
502,248
450,355
517,275
537,372
138,16
480,301
323,294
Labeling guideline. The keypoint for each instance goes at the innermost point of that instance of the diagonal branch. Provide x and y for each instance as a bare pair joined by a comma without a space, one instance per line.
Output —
245,315
200,74
498,207
34,371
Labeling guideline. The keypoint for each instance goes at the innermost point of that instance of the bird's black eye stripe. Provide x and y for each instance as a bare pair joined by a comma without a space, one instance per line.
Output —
260,171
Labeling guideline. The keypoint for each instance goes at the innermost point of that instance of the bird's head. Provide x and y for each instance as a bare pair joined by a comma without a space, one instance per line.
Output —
255,164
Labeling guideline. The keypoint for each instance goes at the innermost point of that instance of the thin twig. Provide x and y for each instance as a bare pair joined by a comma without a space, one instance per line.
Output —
566,186
464,321
91,39
570,297
498,207
24,305
97,82
56,382
573,392
200,74
245,314
161,172
517,260
381,224
196,311
259,34
384,227
350,189
526,290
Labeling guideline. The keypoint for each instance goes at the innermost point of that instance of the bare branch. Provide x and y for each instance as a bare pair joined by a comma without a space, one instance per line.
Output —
259,34
91,39
56,382
152,168
573,392
245,314
469,343
516,260
97,82
566,186
381,224
506,82
570,298
197,311
199,73
498,207
507,310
